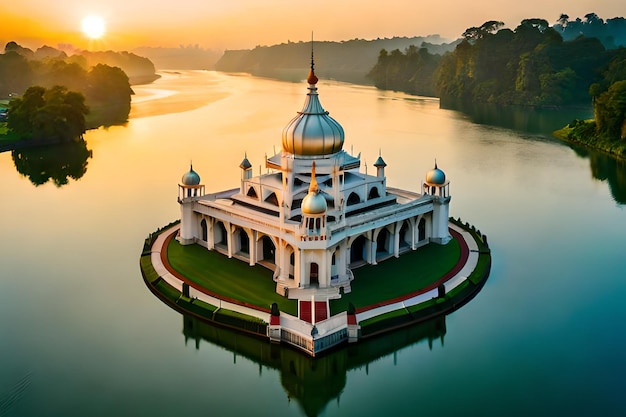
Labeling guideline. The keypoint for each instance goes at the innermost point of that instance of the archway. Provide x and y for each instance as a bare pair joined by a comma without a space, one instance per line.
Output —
314,274
421,230
373,193
405,235
252,193
220,237
269,249
272,199
357,251
383,243
244,242
203,226
353,199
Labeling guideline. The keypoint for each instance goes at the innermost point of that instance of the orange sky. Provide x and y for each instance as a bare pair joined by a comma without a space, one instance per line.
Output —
237,24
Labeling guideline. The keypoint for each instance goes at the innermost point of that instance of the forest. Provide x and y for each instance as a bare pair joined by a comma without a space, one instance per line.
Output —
99,78
347,61
534,64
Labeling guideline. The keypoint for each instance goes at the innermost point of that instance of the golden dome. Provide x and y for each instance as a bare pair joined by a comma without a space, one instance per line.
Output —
312,132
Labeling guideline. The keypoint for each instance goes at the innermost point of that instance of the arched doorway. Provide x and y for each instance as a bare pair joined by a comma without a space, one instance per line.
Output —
220,237
244,242
269,250
357,251
314,274
383,244
203,226
405,235
421,230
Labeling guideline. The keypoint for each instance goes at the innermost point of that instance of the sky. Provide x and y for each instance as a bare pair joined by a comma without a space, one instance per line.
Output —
244,24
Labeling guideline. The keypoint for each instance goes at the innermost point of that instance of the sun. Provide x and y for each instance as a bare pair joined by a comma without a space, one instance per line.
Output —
93,27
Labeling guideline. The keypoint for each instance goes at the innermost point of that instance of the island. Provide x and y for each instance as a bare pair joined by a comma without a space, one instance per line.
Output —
315,253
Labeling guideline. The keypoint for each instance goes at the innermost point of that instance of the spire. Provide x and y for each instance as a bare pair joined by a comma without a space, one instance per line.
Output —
312,78
435,163
313,188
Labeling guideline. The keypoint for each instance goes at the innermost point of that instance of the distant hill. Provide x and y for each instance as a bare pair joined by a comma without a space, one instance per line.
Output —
182,58
348,61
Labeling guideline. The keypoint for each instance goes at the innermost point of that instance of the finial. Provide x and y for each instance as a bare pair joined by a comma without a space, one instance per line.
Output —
190,165
435,163
313,188
312,78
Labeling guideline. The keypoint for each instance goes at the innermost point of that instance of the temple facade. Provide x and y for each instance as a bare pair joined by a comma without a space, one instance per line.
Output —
314,216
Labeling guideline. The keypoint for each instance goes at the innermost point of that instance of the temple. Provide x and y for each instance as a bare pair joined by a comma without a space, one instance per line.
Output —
314,216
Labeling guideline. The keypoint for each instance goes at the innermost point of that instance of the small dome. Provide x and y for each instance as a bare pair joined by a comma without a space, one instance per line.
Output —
245,164
314,203
380,163
435,176
191,177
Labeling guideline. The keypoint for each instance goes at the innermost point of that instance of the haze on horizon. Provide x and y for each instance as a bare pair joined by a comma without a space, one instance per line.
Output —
243,24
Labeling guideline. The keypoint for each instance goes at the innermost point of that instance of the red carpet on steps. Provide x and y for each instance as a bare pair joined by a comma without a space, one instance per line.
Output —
320,311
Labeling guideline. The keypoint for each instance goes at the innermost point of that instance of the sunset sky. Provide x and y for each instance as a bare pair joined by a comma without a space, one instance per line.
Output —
236,24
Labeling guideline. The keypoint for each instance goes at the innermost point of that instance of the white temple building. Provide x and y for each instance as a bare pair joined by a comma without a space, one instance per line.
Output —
314,216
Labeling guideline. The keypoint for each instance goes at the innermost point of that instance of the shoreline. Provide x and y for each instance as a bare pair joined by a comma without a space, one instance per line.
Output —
441,297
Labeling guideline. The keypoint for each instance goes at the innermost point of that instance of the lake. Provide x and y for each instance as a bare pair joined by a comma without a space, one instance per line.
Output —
81,335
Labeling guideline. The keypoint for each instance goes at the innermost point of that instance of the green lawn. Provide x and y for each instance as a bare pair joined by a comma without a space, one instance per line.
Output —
396,277
231,278
372,284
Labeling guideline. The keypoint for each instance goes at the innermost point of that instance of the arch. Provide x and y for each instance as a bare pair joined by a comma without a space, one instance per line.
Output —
272,199
243,241
252,193
353,198
334,267
314,274
268,249
373,193
383,242
220,237
405,235
204,229
358,250
421,230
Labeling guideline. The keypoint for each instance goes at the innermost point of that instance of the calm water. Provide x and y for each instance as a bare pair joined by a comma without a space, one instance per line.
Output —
80,334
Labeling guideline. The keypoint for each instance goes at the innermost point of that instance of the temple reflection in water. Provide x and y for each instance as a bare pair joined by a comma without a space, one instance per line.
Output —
313,382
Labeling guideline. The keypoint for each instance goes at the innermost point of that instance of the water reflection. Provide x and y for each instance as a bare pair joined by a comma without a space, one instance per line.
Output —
56,163
606,168
313,382
520,118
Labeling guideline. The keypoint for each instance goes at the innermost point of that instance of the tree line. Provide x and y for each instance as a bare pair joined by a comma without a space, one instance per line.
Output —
529,65
53,95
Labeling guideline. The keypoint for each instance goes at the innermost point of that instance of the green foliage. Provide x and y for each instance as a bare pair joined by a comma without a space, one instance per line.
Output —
411,72
610,111
99,77
55,113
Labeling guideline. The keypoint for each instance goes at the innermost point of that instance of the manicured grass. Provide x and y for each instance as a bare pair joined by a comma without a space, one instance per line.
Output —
230,278
147,268
396,277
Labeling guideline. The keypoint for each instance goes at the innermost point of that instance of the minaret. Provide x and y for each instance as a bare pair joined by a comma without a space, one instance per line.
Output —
189,190
438,186
246,172
380,166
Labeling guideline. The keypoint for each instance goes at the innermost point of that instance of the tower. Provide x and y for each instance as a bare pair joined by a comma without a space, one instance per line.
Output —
438,186
189,190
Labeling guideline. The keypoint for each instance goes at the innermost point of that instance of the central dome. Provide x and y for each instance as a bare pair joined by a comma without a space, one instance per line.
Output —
312,132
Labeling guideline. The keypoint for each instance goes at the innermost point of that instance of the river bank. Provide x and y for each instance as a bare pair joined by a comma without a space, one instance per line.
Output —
583,133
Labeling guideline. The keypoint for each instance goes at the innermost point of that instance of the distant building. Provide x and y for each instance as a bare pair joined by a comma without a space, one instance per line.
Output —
315,216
